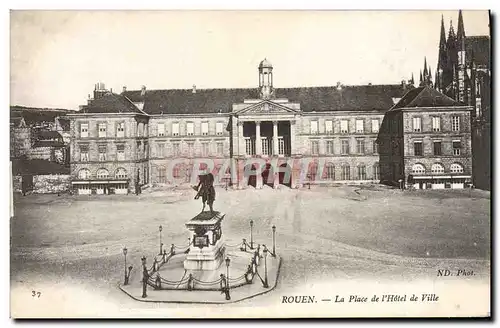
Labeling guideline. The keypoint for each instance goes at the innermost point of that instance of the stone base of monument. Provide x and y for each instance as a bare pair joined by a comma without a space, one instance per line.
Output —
205,292
200,275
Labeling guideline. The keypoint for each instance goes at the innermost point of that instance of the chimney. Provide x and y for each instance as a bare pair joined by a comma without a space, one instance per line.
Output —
339,86
124,89
111,90
403,83
194,88
143,90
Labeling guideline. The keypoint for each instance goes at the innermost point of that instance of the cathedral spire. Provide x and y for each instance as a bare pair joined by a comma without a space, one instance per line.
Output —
421,80
460,32
425,67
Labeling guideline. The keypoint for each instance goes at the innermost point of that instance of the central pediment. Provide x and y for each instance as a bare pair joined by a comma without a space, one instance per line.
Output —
269,107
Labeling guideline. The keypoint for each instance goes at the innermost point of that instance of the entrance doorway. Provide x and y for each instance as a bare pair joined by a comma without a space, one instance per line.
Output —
267,175
285,175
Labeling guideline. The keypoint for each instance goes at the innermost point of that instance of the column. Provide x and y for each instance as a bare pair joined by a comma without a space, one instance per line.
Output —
275,138
239,139
258,142
292,137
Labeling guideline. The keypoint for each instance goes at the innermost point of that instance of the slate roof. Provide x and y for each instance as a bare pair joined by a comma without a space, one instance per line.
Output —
480,46
111,103
34,115
319,99
425,97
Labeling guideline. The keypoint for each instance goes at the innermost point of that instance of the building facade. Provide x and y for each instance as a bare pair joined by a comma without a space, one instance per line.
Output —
246,137
425,141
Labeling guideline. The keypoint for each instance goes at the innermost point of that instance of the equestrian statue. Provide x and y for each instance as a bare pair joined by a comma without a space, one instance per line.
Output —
206,190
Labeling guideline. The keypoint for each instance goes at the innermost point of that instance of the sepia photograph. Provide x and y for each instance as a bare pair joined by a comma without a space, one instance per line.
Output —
250,164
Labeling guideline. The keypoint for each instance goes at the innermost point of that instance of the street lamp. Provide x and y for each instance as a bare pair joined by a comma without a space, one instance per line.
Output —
160,228
228,297
251,234
125,282
144,276
274,240
266,285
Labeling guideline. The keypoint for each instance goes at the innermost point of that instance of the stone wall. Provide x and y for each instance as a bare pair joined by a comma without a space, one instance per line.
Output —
44,184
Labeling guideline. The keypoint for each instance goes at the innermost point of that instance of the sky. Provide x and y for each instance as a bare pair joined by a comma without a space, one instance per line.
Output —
58,56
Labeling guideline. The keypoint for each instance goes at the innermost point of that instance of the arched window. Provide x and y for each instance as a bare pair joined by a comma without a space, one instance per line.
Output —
456,168
346,172
177,171
376,171
121,173
102,174
329,173
361,172
418,169
437,168
84,174
312,171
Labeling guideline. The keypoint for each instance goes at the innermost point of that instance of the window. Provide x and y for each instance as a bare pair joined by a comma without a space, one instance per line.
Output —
161,129
455,123
84,174
176,149
102,174
329,147
204,149
375,126
376,171
146,149
190,149
314,127
219,128
190,128
437,168
204,128
344,147
120,152
177,171
344,126
437,148
265,146
360,146
102,130
417,124
120,130
418,169
345,172
329,126
140,129
456,168
220,148
436,124
417,148
330,171
315,147
102,152
456,147
375,147
360,126
84,130
160,148
361,172
250,146
84,153
162,174
175,129
121,173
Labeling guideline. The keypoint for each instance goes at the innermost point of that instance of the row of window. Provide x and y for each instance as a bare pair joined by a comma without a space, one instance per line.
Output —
360,172
437,148
437,168
102,173
436,124
142,129
345,148
142,152
344,126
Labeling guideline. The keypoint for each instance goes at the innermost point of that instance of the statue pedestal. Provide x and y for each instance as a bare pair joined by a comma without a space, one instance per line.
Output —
207,250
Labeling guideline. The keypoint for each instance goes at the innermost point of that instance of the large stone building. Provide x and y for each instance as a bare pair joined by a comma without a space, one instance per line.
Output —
255,136
425,141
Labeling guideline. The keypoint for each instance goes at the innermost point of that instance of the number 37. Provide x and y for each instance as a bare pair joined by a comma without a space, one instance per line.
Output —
35,293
